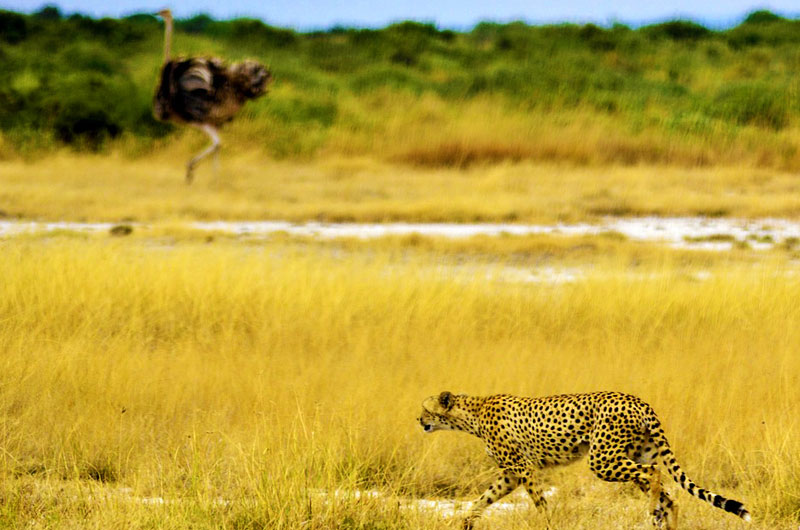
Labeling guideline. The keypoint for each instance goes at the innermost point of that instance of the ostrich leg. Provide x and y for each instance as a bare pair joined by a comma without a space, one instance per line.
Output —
211,131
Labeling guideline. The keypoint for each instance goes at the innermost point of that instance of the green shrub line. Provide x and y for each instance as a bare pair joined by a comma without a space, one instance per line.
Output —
78,81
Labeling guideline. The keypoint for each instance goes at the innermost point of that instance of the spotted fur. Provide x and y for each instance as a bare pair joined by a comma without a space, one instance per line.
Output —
620,433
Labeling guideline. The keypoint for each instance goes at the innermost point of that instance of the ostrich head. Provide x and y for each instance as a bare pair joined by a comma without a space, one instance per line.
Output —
250,78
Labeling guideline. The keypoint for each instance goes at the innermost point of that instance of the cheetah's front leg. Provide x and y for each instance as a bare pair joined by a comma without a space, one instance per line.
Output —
505,484
526,481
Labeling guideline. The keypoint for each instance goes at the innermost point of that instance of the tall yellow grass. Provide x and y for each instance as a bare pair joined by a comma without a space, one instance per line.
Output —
237,382
428,131
68,186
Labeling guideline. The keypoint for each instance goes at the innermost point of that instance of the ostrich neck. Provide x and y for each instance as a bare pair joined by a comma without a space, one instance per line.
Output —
167,39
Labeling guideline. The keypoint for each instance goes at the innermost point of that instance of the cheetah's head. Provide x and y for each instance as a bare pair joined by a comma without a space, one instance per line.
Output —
440,413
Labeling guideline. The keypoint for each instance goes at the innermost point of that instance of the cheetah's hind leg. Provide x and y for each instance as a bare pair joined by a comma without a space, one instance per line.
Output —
614,465
665,514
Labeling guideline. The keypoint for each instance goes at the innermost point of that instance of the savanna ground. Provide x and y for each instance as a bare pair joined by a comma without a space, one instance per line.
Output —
182,379
341,189
236,381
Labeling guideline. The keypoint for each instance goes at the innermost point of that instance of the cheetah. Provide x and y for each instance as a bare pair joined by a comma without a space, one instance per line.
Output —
620,433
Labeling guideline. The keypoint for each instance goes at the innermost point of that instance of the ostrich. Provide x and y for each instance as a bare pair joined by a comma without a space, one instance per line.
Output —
204,92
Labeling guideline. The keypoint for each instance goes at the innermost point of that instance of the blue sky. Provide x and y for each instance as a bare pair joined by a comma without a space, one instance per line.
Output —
459,14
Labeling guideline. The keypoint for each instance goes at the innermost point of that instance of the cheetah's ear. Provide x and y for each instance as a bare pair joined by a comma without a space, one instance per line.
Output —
446,400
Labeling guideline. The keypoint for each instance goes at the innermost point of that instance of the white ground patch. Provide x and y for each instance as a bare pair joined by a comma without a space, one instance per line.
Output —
12,228
688,232
446,508
684,232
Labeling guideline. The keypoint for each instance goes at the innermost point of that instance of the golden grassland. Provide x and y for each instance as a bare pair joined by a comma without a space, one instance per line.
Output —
427,131
115,187
236,382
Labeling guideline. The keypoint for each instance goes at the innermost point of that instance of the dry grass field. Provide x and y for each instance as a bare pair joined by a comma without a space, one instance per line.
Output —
187,384
69,186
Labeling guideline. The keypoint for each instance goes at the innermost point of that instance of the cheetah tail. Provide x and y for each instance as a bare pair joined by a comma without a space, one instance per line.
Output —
678,475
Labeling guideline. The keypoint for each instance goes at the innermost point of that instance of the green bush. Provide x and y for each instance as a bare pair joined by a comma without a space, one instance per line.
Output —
13,27
753,103
298,109
87,56
388,77
762,17
597,38
197,25
678,30
771,33
255,30
49,13
88,109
